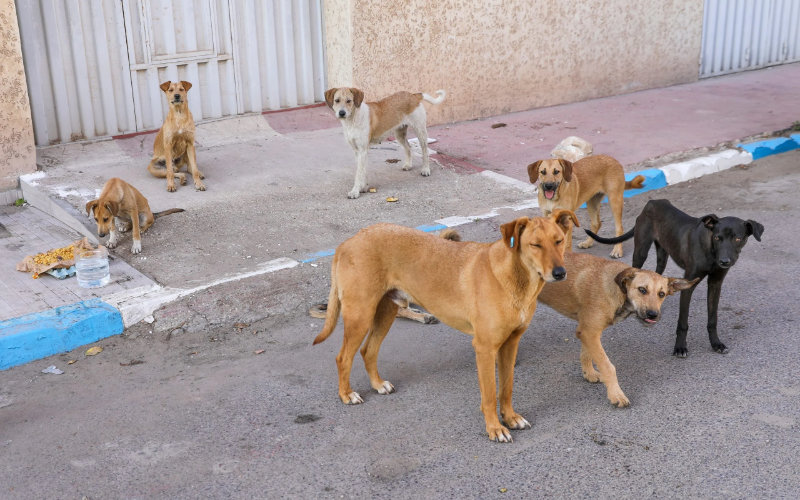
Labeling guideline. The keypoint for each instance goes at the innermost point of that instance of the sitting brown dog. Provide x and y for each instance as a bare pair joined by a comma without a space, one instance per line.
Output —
174,144
120,207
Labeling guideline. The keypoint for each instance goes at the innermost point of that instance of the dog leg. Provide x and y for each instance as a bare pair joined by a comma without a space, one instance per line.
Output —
417,315
714,291
422,135
136,247
360,184
593,207
356,326
681,350
196,175
507,355
641,246
169,170
616,210
401,134
485,359
384,317
590,340
587,368
113,238
661,258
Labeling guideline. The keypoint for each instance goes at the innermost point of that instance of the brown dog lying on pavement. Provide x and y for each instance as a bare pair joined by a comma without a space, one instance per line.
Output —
567,185
120,207
599,293
174,144
487,290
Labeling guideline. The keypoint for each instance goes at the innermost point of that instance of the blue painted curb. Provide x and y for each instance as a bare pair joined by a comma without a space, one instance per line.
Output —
62,329
760,149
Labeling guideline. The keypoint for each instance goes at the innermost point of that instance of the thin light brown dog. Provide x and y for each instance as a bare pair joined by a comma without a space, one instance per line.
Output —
368,123
487,290
599,293
121,207
174,144
567,185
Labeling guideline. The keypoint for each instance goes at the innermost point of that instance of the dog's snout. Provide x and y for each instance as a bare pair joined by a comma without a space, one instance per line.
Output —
102,235
725,262
177,97
342,113
651,314
559,273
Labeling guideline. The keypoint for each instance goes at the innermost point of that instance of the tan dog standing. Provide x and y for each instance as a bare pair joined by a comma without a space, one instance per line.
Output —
174,144
567,185
599,293
368,123
121,207
486,290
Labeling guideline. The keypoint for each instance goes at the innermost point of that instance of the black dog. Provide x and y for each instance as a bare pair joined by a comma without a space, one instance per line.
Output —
707,246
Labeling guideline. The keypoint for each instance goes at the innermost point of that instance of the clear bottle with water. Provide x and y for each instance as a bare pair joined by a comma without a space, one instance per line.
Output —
91,267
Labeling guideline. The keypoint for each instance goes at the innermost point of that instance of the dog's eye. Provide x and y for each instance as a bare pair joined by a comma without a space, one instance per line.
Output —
559,242
555,172
543,172
662,294
105,219
536,245
349,101
336,100
643,290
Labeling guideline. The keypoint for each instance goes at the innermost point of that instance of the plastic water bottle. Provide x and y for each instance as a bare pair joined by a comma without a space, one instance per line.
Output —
91,267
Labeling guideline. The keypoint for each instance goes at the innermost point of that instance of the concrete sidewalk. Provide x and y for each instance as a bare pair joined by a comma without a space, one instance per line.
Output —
277,184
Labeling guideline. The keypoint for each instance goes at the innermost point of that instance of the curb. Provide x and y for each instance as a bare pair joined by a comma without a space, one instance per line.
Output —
39,335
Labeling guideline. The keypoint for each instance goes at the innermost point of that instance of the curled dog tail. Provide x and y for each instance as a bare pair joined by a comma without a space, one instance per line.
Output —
611,241
435,100
156,215
450,234
332,313
635,183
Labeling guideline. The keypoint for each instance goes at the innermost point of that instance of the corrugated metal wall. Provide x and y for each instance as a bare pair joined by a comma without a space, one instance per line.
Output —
747,34
94,66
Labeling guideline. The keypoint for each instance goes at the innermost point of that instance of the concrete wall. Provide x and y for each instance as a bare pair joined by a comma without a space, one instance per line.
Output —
498,56
17,152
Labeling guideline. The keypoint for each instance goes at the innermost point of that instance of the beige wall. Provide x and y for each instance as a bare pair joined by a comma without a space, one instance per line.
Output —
17,152
498,56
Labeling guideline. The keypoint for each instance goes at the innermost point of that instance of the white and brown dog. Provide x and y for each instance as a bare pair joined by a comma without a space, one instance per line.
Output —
368,123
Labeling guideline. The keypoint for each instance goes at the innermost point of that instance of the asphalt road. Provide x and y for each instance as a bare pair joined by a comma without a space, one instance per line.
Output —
186,408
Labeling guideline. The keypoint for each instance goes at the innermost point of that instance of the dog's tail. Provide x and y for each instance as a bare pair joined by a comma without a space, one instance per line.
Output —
450,234
156,215
611,241
635,183
435,100
332,309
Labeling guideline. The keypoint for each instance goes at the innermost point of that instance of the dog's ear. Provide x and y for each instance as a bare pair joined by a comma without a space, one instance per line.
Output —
533,171
624,278
754,228
165,86
710,221
186,85
678,284
512,231
112,207
91,206
565,219
566,165
358,97
329,96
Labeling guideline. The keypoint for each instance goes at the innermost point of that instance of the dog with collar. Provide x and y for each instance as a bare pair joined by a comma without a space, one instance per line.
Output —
368,123
174,144
121,207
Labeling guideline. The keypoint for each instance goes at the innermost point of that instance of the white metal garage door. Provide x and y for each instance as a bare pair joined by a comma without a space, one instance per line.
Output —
94,66
747,34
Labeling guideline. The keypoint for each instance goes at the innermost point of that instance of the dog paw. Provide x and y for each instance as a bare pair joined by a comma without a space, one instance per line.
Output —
385,388
680,352
355,193
171,187
616,254
426,172
407,166
720,348
351,399
591,376
499,434
618,398
586,243
136,247
111,243
430,319
516,421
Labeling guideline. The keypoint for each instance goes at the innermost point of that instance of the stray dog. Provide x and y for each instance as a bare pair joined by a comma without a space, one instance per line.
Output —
122,207
563,184
599,293
705,246
486,290
174,144
368,123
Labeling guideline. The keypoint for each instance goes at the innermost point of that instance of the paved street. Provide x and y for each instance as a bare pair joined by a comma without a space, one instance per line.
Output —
184,407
